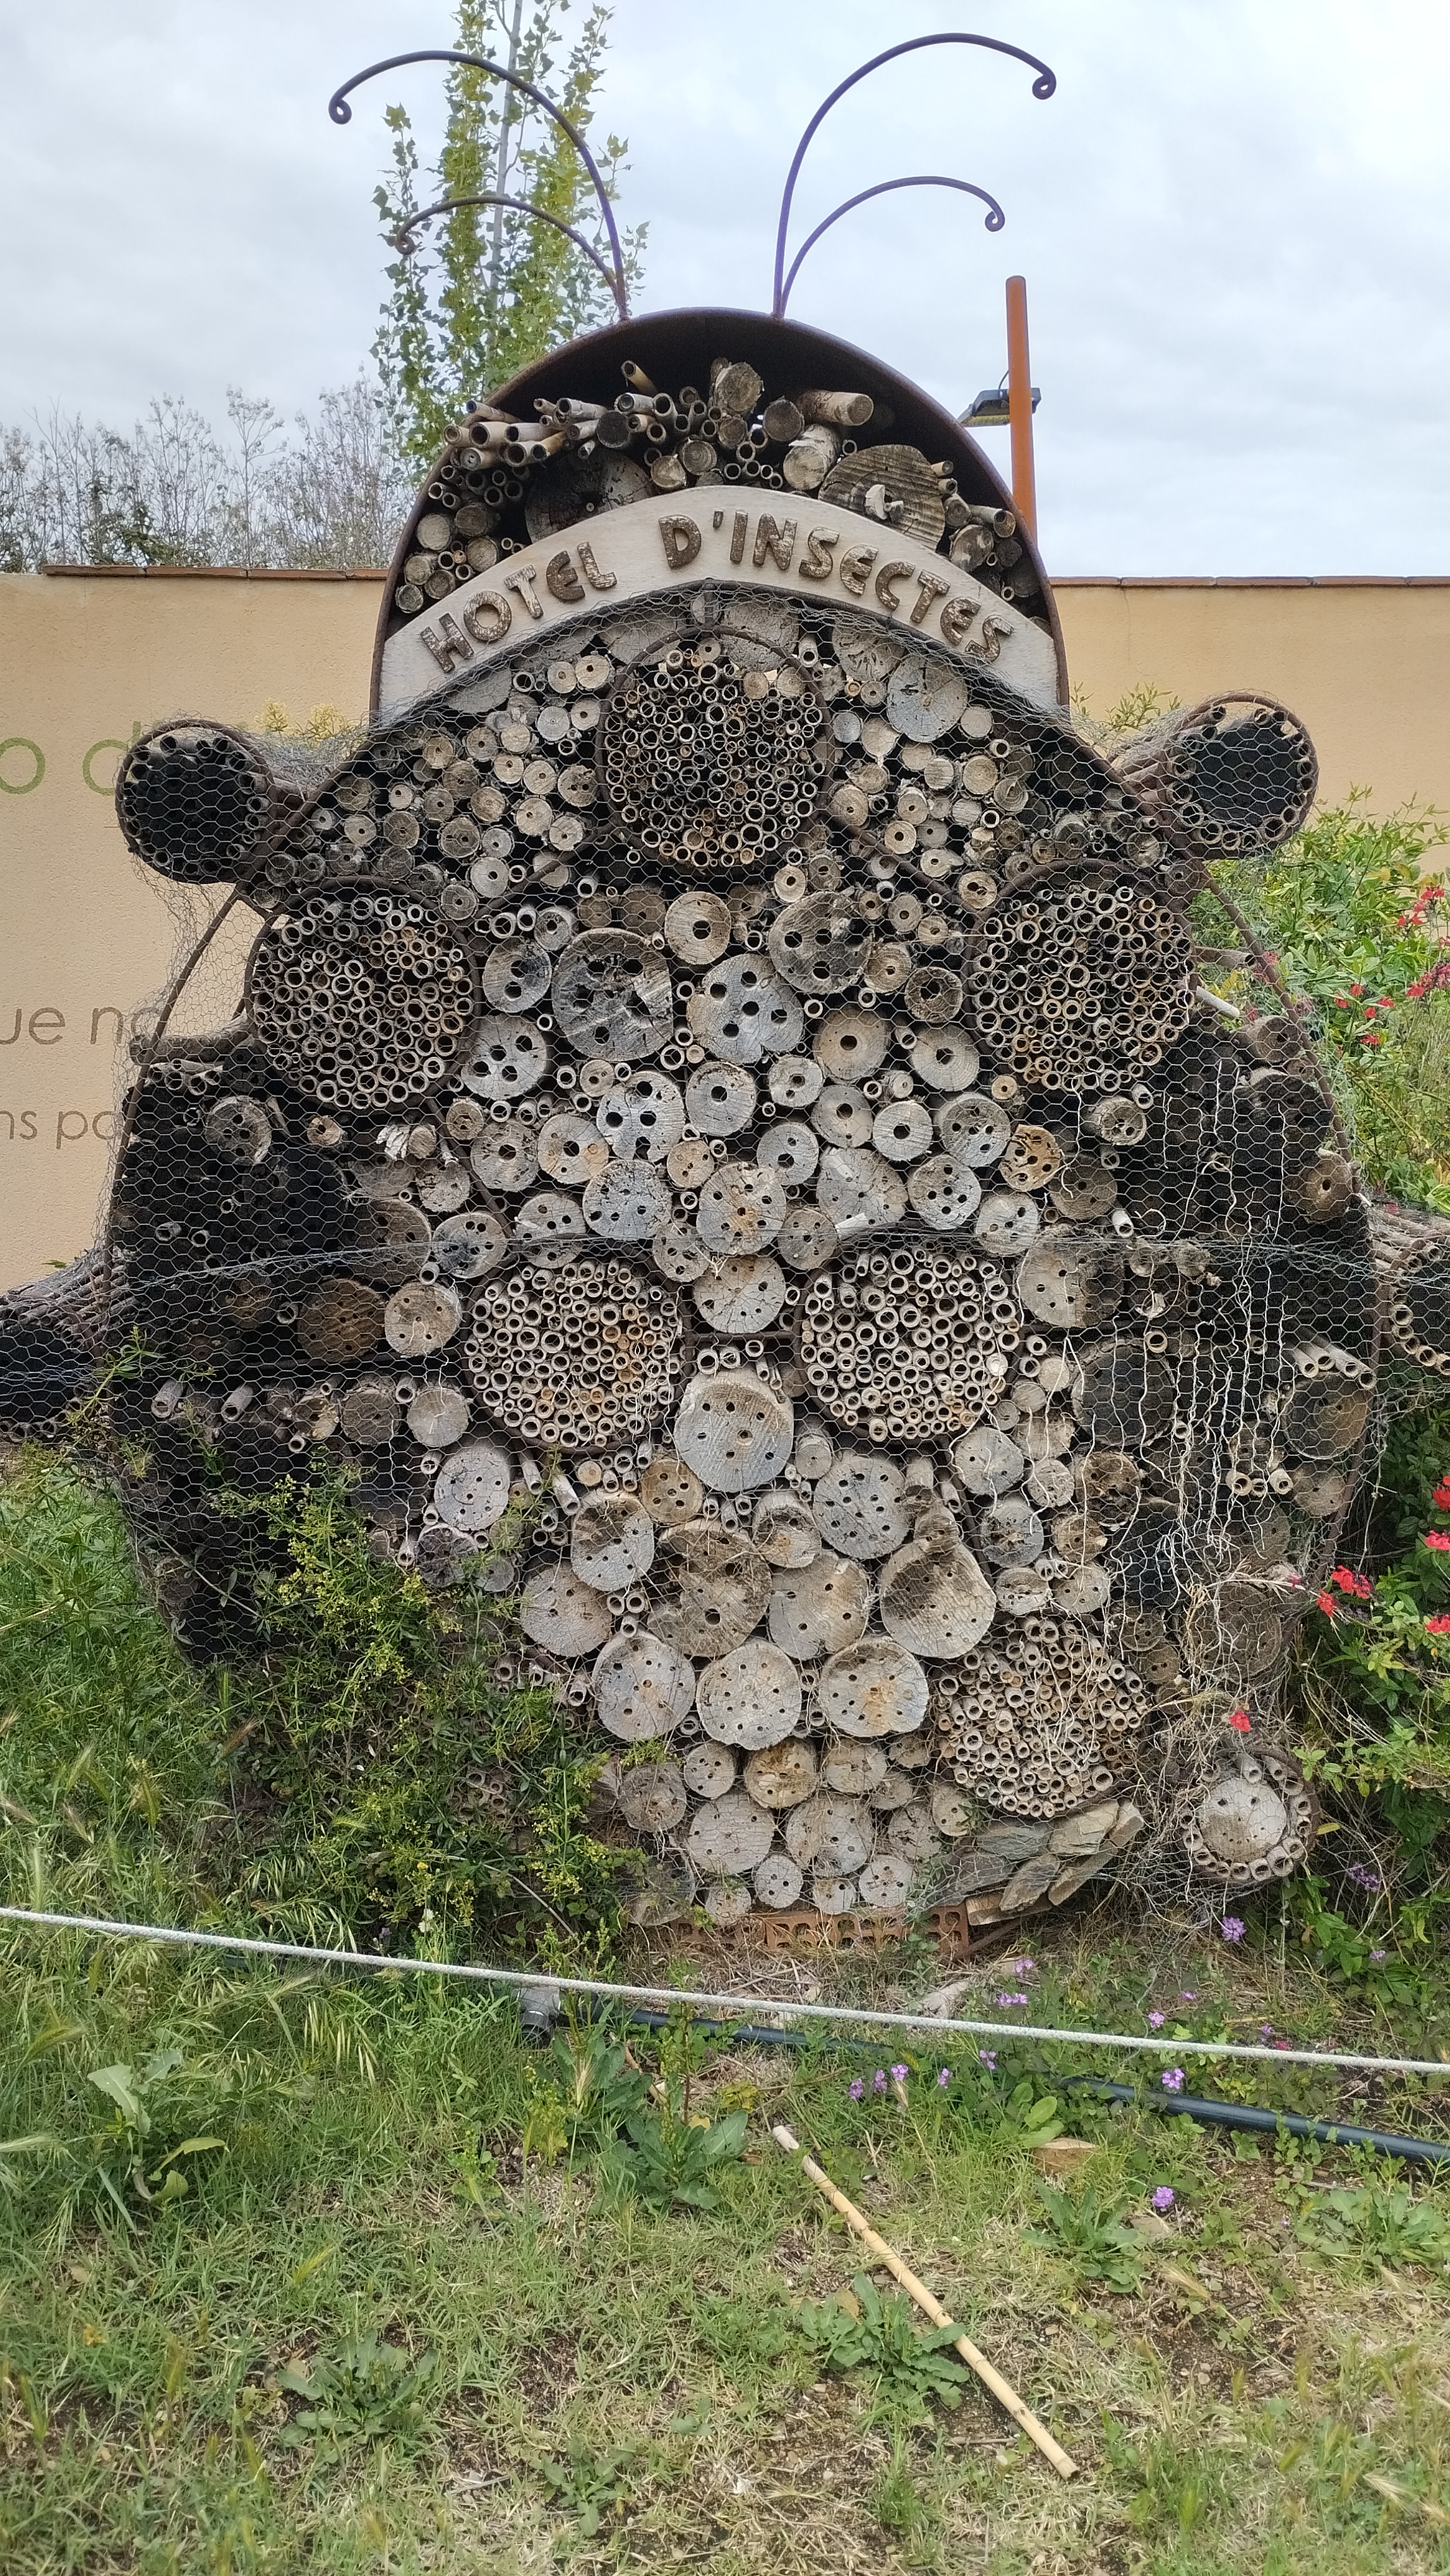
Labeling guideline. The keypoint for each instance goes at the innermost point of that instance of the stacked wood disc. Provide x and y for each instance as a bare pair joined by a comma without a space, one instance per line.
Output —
1251,1822
726,1148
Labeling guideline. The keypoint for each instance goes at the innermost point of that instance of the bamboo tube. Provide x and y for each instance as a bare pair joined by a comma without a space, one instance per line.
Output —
492,433
1002,2389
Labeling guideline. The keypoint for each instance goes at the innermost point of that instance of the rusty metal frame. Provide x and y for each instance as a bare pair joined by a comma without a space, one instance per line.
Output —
1043,88
883,188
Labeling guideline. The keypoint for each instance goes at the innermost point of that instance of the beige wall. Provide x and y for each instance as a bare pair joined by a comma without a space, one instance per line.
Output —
1366,663
85,933
88,662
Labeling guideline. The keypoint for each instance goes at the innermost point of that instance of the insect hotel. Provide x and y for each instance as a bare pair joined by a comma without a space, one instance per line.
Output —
725,1064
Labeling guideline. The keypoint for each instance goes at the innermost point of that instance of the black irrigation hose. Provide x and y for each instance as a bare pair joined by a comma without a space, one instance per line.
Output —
1251,2115
1214,2115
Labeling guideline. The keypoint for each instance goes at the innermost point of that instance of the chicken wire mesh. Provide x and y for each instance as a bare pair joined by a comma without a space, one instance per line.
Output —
738,1080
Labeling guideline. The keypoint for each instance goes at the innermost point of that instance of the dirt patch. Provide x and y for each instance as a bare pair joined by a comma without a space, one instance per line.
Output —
508,2159
546,2370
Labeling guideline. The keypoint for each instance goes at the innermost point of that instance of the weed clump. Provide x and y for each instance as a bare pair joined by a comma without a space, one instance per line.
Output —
650,2141
367,2391
863,2332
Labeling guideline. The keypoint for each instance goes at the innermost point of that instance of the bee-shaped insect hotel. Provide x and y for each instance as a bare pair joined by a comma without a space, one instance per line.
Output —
725,1059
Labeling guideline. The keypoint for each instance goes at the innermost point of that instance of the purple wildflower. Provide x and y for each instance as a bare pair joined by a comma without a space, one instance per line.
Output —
1232,1928
1024,1967
1363,1877
1172,2080
988,2057
898,2075
878,2081
945,2076
1156,2020
1005,2003
1375,1957
856,2088
1185,1997
1163,2197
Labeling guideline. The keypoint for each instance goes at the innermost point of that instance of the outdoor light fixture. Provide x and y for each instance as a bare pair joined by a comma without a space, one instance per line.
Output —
989,410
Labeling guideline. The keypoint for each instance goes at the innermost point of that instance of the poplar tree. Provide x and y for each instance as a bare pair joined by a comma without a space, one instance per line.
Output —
487,289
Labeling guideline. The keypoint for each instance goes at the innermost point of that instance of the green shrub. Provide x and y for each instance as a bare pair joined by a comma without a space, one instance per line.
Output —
396,1787
1356,931
359,1778
1371,1694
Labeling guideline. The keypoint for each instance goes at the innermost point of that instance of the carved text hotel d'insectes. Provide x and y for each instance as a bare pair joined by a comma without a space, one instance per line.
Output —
898,578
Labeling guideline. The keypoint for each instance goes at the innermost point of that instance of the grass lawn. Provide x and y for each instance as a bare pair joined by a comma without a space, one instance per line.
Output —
405,2315
580,2376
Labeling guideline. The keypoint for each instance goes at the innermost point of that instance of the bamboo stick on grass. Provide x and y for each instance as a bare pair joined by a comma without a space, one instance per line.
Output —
1002,2389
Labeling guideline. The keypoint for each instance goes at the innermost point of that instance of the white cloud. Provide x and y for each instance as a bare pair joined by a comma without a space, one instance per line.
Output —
1232,220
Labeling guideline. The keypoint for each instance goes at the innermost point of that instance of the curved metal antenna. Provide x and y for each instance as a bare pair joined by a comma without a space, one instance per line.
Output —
341,114
523,206
1042,87
994,222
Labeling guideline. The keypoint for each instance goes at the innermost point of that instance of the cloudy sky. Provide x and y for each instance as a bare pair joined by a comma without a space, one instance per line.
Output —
1232,219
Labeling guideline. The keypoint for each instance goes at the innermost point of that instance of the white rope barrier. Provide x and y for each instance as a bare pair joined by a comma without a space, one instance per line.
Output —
733,2007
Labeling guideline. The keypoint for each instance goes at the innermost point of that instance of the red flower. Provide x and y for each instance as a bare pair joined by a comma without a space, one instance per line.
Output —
1440,1498
1357,1584
1439,1626
1326,1602
1435,1538
1239,1717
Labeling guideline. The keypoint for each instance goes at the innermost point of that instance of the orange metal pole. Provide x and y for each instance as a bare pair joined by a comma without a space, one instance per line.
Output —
1019,406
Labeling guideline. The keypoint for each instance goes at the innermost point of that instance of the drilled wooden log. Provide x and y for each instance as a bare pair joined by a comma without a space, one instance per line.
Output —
1234,774
842,411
